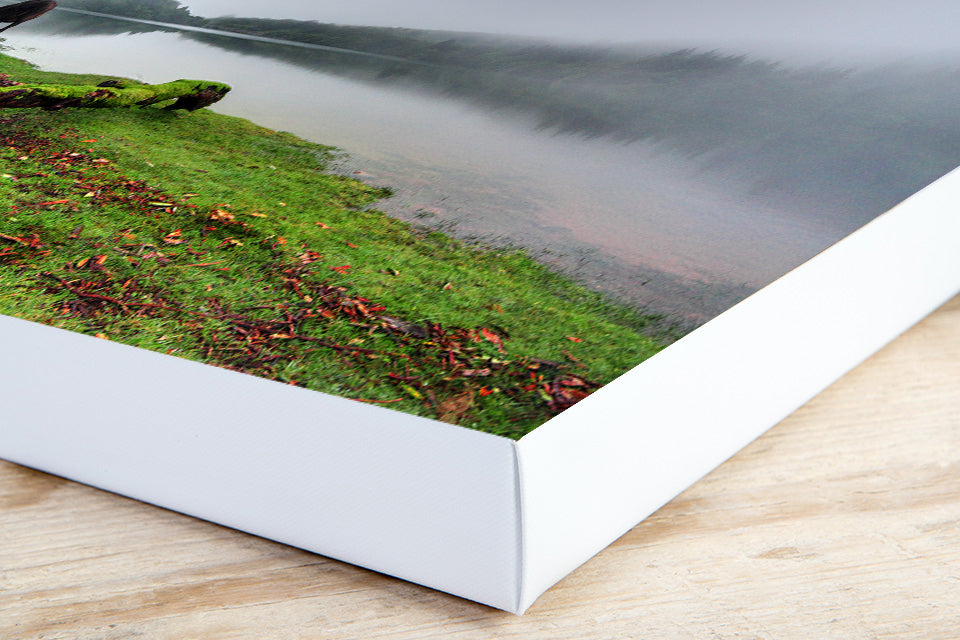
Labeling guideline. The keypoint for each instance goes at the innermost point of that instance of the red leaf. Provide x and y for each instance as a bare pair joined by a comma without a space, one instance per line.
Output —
492,337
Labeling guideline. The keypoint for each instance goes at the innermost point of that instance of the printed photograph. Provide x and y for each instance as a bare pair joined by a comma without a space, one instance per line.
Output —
478,213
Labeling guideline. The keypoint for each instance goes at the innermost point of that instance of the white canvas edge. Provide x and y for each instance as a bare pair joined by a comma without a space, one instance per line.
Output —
596,470
438,505
414,498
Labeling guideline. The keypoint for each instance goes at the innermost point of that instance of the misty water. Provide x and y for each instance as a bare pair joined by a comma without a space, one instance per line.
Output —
668,226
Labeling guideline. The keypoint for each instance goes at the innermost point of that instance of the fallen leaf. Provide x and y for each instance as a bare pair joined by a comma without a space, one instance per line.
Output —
476,373
453,409
201,264
416,394
219,215
572,396
492,337
402,326
574,339
309,256
93,262
174,237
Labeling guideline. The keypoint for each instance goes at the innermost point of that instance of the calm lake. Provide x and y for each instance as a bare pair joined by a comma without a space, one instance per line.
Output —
649,224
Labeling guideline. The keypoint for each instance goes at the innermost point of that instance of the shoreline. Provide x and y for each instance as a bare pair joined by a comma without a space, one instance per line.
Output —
396,299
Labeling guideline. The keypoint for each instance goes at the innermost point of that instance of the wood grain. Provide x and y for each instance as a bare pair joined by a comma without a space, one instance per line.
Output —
841,522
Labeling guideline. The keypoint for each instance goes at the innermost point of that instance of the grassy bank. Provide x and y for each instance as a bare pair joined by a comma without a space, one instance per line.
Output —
210,238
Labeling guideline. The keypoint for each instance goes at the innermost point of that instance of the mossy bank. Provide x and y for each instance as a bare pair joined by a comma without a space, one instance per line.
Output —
210,238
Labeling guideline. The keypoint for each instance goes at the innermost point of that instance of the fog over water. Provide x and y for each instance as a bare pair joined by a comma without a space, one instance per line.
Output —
827,28
677,180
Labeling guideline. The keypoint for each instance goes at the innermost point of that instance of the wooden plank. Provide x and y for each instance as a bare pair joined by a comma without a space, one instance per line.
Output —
843,521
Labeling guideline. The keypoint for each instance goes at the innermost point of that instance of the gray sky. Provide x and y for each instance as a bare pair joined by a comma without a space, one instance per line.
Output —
830,26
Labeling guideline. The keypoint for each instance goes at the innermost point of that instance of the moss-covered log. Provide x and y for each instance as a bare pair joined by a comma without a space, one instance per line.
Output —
185,94
22,11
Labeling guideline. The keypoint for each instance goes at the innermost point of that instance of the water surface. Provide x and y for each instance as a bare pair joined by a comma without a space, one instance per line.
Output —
651,223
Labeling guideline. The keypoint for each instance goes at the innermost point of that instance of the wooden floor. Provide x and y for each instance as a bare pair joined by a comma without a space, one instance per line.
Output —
841,522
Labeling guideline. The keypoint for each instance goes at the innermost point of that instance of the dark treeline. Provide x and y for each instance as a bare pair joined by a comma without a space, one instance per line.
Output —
159,10
860,140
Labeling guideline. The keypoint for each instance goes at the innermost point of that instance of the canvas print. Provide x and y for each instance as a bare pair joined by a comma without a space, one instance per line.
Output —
479,213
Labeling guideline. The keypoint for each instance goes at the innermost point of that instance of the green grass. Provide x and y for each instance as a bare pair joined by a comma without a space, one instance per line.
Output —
211,238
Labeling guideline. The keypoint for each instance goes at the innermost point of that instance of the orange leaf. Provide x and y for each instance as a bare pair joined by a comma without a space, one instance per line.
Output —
174,237
573,339
220,215
453,409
